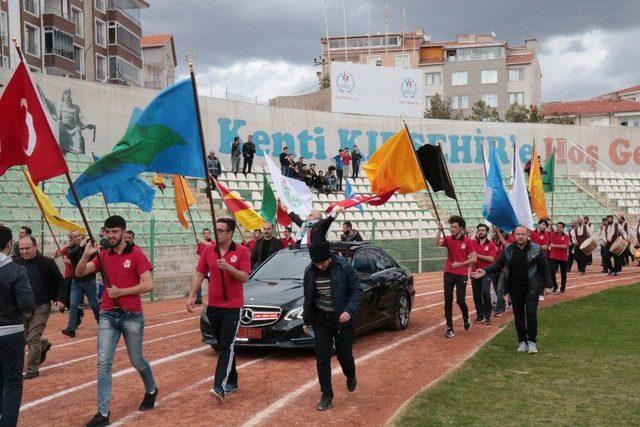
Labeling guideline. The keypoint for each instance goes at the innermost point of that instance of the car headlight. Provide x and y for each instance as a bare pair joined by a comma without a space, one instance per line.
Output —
294,314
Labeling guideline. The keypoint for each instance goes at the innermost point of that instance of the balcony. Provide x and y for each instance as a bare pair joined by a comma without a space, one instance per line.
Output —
130,9
52,17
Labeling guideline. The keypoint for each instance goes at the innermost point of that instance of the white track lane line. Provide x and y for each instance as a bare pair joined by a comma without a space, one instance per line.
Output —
186,389
261,416
120,348
117,374
157,325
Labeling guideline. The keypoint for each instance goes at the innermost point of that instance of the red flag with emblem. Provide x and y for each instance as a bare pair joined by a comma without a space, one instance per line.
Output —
282,216
374,200
26,137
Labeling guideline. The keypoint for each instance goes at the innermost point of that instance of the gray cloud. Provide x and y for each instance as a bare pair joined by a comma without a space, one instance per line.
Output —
226,32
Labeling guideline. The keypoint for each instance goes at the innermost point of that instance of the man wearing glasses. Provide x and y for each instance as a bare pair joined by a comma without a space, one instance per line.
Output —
233,262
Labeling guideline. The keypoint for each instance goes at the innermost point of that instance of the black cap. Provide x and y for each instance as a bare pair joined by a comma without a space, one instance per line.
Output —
319,252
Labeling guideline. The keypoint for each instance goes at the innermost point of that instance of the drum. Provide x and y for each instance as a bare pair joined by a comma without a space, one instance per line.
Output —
637,255
588,246
618,246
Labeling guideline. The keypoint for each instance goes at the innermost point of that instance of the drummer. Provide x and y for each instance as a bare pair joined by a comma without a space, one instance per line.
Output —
612,231
626,254
579,235
592,233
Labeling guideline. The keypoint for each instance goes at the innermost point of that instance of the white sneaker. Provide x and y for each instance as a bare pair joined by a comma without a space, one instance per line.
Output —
522,348
541,298
533,348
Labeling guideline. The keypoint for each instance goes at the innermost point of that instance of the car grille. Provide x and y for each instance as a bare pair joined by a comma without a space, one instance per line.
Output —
253,316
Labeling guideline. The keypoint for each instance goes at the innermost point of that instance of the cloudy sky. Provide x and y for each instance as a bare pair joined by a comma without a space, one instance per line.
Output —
265,48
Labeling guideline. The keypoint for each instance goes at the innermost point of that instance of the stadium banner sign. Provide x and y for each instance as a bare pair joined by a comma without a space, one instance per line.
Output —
369,89
317,136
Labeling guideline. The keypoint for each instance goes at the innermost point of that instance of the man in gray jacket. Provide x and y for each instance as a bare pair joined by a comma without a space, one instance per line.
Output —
16,297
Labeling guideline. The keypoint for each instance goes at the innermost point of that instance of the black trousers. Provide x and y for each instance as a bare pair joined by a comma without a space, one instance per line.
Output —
482,297
612,263
572,250
339,173
327,331
356,169
604,257
554,264
246,165
525,312
458,282
224,324
581,260
11,362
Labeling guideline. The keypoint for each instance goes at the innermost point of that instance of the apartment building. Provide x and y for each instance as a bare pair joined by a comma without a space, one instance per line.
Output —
159,60
629,94
96,40
596,112
471,68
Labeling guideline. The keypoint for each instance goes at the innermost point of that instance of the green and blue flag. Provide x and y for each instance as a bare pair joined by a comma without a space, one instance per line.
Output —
497,207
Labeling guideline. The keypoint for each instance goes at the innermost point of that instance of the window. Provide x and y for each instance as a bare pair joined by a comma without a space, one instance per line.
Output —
58,42
101,68
78,54
516,74
489,76
427,102
101,33
380,261
373,59
122,70
516,98
459,102
4,63
101,5
402,60
121,36
4,29
78,20
31,40
361,263
602,121
467,54
32,6
491,99
459,78
432,79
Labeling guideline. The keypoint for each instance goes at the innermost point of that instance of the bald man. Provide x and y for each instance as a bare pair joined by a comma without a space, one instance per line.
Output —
314,229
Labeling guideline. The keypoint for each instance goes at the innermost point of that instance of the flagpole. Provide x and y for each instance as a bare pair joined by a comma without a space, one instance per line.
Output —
189,58
415,155
446,169
553,183
44,217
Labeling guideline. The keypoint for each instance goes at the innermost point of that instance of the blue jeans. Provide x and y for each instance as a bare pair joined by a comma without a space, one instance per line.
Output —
11,361
112,324
78,291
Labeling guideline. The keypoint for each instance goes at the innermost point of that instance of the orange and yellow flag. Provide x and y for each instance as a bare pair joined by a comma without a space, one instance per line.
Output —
184,198
244,214
536,187
394,165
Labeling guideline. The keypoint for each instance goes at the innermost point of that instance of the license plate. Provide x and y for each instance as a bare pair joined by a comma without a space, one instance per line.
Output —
250,333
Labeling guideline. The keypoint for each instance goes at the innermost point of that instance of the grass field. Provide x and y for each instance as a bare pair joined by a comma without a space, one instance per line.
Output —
587,372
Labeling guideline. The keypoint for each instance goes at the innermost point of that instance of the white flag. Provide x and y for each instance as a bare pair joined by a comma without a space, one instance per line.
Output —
485,171
294,194
519,197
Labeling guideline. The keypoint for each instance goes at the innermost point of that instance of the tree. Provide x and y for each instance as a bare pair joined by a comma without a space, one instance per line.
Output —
440,109
517,113
534,114
562,119
481,112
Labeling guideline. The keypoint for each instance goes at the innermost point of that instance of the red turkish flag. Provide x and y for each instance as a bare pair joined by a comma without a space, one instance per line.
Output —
374,200
282,216
26,137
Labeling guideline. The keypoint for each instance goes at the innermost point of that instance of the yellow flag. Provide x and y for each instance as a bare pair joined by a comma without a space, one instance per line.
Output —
48,210
536,187
184,198
394,165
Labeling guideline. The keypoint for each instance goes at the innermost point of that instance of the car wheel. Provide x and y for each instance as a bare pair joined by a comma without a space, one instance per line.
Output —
401,313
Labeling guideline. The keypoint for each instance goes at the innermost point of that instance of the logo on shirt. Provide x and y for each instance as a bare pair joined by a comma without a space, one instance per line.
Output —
234,258
486,248
463,246
127,263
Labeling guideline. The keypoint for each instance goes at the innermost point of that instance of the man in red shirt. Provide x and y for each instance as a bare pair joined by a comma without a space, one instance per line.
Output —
460,257
288,241
346,162
202,244
257,234
486,254
558,256
225,305
68,272
127,276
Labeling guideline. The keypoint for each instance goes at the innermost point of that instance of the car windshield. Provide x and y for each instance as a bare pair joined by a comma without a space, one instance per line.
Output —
285,264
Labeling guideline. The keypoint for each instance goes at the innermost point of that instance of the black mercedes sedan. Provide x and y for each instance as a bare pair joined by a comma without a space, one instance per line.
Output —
273,297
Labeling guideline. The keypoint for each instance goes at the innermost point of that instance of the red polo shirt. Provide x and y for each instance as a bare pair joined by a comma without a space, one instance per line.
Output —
541,239
124,271
68,268
201,246
239,257
286,243
488,248
559,254
458,250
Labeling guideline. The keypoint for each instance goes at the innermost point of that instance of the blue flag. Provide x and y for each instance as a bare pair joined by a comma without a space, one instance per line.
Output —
164,138
496,207
349,194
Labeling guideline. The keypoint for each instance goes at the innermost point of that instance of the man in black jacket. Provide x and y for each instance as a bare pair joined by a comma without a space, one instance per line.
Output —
332,294
526,273
248,151
265,246
47,284
314,229
16,297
